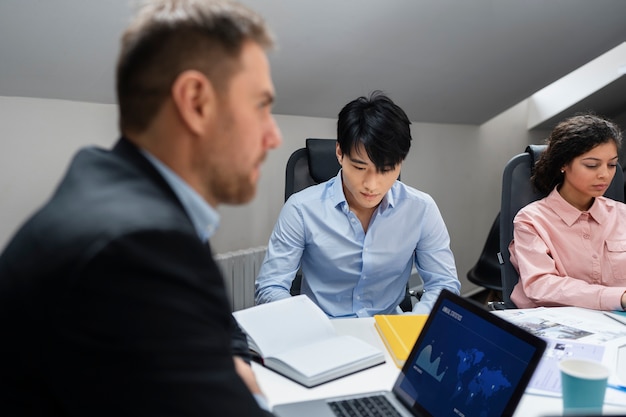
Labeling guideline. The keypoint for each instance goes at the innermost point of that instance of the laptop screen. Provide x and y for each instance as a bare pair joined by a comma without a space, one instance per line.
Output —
467,362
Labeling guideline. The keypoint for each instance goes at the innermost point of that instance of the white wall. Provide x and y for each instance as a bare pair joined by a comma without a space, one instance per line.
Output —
37,140
459,165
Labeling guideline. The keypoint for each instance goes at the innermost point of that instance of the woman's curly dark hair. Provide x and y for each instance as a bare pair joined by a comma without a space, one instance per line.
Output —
571,138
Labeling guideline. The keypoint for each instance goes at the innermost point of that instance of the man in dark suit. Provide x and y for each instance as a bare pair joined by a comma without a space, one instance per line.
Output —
110,301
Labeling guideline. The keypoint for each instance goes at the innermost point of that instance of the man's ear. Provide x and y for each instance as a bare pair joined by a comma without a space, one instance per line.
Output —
338,152
194,98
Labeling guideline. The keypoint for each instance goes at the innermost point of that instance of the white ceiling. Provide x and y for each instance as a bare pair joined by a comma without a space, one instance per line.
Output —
443,61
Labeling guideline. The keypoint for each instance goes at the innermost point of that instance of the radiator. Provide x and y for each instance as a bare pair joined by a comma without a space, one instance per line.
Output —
240,269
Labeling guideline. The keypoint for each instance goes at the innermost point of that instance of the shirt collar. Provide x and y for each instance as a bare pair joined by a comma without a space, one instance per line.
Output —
570,214
338,197
204,218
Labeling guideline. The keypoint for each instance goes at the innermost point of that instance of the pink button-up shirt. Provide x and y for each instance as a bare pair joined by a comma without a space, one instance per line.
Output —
570,257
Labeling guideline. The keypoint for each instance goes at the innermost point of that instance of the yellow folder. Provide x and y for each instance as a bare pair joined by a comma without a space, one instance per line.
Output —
399,333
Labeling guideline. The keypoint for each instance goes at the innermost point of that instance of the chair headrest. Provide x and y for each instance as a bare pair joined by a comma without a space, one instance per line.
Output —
323,164
535,152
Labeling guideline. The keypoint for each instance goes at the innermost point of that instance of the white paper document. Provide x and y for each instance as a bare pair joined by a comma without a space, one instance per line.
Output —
571,335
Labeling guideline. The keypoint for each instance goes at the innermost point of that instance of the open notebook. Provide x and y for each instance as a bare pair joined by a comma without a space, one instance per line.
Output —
295,338
466,362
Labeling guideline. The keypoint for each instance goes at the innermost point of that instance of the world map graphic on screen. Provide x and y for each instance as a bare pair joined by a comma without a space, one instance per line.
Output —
476,379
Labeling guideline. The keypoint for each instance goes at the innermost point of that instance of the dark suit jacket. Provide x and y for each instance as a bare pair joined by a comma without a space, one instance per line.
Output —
110,305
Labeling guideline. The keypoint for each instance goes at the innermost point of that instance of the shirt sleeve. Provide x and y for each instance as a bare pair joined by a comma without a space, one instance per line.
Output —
434,260
282,260
240,342
540,279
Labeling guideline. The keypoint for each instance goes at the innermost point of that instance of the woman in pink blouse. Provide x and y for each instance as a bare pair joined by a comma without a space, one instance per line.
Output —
570,247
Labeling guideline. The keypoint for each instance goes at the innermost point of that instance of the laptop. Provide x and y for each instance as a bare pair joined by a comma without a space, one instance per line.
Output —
466,362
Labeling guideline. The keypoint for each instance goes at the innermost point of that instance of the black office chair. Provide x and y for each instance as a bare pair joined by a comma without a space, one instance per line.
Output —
314,164
486,271
517,192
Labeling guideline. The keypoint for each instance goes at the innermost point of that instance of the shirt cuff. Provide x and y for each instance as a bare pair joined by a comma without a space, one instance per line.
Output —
611,298
261,400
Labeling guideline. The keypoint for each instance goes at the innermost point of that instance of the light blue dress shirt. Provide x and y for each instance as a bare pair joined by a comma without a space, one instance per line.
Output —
348,272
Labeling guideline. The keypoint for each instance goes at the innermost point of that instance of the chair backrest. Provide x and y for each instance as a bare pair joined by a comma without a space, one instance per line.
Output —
517,192
313,164
486,271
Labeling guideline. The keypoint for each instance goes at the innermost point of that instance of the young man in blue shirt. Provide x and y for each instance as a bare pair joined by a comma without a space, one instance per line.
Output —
358,235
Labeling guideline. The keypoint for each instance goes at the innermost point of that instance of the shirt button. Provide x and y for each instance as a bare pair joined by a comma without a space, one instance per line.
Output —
586,236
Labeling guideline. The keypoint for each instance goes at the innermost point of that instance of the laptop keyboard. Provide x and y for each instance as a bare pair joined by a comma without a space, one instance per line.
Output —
373,406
